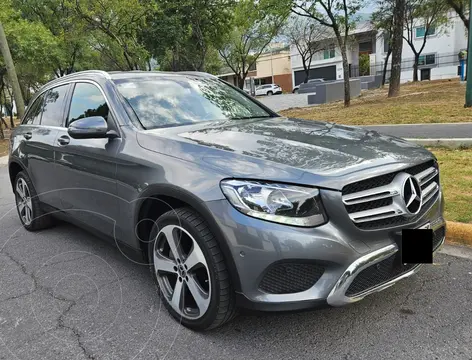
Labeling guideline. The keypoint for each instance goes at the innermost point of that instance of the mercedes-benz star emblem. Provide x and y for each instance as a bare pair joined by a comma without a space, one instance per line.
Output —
412,195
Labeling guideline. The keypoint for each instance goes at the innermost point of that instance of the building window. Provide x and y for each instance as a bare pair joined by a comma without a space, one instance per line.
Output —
420,31
428,59
386,38
330,52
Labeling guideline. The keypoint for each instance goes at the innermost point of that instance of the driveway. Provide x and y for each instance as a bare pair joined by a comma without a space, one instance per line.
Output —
284,101
65,294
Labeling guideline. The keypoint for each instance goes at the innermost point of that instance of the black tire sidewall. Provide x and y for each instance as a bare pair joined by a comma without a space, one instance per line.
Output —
171,218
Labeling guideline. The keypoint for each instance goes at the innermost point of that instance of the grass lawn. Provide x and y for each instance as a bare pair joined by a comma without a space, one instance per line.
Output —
456,180
436,101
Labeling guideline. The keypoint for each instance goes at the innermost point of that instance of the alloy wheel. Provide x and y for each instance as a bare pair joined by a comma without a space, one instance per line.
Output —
23,201
182,272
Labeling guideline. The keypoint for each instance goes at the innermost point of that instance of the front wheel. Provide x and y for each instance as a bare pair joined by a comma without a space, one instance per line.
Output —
270,93
27,203
190,271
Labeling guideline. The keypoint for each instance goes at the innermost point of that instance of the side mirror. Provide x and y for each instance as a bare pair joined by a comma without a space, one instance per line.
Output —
93,127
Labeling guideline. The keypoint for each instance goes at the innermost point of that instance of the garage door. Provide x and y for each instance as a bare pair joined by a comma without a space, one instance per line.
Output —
327,73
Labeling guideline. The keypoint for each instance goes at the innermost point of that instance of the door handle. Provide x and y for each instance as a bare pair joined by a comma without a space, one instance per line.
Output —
63,140
27,135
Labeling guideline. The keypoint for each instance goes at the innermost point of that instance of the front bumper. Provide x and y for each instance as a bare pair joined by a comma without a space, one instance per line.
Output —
342,250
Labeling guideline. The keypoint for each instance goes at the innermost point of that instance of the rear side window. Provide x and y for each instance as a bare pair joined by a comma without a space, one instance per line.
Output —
53,106
87,100
33,116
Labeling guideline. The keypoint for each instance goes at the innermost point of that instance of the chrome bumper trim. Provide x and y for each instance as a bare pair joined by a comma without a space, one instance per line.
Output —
337,295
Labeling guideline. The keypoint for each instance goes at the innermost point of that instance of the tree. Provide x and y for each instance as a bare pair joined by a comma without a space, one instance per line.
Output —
306,35
339,15
253,30
461,7
188,32
397,47
382,19
431,14
116,26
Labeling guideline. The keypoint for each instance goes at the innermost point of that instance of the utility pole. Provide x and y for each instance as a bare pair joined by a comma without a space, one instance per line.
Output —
468,92
20,105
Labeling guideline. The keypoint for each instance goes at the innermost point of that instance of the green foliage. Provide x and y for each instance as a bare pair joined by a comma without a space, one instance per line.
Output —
254,27
364,65
182,35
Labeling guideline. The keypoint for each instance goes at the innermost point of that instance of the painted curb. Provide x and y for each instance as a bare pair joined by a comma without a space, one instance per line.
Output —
448,143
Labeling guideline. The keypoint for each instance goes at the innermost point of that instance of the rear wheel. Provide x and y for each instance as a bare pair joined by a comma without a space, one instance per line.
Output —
27,203
295,91
190,271
270,93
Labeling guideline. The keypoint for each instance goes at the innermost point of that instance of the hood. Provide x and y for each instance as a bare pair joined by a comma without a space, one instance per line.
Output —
320,148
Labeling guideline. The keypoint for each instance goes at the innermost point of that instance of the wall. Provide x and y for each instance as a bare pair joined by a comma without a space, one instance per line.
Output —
279,65
284,81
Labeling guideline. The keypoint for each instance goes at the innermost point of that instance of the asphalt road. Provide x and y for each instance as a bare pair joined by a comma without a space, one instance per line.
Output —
427,131
65,294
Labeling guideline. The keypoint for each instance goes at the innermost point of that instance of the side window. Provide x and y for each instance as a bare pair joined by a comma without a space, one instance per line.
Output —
53,106
87,101
33,116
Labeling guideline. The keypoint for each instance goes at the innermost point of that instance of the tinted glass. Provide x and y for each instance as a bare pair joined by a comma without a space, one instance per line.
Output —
87,101
33,117
178,100
53,106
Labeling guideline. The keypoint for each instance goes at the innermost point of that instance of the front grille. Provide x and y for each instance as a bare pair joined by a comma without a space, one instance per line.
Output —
387,269
376,203
290,277
438,236
378,274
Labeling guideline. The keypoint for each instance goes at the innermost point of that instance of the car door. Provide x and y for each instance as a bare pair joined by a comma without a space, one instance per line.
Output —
86,168
260,91
40,128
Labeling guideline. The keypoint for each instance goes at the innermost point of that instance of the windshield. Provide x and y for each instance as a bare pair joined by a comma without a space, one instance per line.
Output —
177,100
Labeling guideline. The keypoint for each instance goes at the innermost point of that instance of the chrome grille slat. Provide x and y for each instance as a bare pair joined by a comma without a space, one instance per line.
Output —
381,192
426,175
369,205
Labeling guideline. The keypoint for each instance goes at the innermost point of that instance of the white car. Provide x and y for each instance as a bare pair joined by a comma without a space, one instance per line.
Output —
268,89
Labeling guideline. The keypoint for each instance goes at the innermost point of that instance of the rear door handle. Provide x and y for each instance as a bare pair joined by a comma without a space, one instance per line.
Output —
63,140
27,135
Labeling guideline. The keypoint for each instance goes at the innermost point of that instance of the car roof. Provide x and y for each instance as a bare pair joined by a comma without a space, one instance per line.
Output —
118,75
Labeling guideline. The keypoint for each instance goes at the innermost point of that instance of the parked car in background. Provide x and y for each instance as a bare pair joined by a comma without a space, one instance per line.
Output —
268,89
228,203
296,88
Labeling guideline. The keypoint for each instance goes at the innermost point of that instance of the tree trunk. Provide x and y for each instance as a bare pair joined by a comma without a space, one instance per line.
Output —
347,85
20,105
415,67
397,47
384,73
240,81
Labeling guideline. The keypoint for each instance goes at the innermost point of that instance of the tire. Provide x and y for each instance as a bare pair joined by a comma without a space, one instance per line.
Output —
28,205
215,290
270,93
295,91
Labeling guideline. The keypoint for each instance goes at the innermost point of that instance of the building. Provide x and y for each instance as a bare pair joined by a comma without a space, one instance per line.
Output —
439,59
272,66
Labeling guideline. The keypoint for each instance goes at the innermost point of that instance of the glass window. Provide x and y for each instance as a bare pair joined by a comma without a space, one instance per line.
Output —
87,101
33,116
420,31
53,106
161,101
330,52
429,59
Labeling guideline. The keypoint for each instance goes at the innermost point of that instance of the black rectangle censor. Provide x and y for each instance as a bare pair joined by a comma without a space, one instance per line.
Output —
417,246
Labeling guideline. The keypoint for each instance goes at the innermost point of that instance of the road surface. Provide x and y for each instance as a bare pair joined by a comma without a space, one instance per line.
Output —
65,294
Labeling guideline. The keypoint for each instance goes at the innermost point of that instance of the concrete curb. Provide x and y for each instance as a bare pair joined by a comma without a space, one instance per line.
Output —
457,251
448,143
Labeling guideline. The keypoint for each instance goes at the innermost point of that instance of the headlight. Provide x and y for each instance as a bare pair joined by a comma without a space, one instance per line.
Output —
285,204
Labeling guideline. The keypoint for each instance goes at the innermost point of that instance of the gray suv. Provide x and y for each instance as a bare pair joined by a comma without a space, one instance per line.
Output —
229,204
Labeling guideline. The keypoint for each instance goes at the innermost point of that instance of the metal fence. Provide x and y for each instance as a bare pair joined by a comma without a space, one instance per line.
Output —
427,60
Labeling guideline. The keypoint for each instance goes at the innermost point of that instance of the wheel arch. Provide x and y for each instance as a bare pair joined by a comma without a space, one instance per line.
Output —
151,204
14,167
